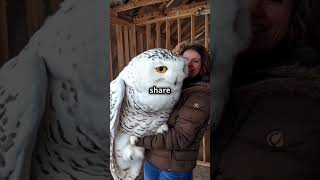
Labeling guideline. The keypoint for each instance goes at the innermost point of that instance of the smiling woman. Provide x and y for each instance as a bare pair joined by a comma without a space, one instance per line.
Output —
270,22
173,154
270,123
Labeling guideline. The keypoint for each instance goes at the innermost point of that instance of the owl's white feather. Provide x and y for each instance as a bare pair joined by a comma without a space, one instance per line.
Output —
59,74
134,112
231,32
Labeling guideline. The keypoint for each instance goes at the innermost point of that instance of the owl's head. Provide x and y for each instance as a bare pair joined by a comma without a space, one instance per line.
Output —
153,72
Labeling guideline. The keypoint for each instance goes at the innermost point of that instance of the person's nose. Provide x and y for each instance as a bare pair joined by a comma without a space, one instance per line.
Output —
188,62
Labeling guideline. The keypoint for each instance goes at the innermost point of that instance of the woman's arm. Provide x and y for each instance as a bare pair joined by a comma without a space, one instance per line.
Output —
192,116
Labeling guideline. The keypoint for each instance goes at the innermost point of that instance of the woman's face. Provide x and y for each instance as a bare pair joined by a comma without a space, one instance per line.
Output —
269,22
194,62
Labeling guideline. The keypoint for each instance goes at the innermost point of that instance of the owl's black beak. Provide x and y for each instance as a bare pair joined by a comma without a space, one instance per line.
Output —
175,82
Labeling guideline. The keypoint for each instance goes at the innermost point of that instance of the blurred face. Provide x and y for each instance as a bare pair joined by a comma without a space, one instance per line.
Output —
194,62
269,22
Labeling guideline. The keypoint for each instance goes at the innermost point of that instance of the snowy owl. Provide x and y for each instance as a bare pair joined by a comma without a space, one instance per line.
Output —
231,32
52,99
141,100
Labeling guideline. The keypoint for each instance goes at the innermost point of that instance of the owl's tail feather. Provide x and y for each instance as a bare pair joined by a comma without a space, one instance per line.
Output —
131,151
128,166
116,171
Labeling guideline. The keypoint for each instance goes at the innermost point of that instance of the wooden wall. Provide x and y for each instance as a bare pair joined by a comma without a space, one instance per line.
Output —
19,20
127,39
3,32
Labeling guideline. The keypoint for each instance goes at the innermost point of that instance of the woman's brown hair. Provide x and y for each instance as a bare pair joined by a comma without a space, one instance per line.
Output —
199,48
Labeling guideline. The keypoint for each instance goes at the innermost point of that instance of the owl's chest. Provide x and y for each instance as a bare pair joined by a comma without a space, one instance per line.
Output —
74,108
135,121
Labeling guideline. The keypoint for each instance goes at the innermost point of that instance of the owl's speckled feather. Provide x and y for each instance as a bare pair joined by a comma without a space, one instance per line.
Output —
135,112
52,104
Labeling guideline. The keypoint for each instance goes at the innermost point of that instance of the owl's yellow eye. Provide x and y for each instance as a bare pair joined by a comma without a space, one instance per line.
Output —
161,69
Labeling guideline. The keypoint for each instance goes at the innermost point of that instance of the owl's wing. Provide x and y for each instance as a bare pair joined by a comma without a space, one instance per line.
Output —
231,29
117,93
23,90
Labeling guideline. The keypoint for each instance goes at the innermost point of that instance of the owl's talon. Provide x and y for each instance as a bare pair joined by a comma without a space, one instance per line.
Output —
127,153
163,128
133,140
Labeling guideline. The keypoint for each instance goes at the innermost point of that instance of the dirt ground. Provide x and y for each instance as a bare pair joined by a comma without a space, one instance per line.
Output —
201,173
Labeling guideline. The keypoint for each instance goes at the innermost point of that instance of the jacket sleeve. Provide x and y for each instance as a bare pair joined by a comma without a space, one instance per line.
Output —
192,117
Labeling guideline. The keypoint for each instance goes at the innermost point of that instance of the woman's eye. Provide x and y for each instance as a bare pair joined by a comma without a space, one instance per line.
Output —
161,69
195,61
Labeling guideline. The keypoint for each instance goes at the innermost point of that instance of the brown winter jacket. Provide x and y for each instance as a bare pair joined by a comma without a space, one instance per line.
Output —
177,149
271,128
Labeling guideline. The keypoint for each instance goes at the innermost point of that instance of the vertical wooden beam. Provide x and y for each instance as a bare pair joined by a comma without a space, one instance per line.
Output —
158,31
206,31
179,30
4,50
35,15
141,44
168,34
204,151
126,45
54,5
110,63
193,26
133,41
149,36
119,47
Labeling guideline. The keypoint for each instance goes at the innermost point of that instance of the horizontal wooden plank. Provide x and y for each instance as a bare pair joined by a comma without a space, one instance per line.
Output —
202,163
173,14
136,4
119,21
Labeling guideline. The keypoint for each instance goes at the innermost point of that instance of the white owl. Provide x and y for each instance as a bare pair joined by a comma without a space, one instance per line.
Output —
61,75
141,100
232,33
